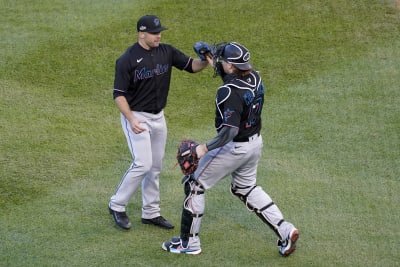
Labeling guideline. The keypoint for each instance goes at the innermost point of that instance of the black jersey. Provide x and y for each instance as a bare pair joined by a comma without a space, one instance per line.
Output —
143,76
239,103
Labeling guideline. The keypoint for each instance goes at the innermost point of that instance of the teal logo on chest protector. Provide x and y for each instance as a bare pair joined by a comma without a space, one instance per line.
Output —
227,114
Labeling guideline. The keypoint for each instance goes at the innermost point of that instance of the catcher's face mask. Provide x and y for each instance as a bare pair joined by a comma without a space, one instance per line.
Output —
218,58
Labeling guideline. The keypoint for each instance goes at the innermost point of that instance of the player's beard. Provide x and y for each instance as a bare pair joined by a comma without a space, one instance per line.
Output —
156,43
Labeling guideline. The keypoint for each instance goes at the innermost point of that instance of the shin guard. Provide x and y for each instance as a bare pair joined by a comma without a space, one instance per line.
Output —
192,212
257,200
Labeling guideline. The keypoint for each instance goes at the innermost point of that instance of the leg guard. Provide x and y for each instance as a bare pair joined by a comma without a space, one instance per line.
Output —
257,200
192,212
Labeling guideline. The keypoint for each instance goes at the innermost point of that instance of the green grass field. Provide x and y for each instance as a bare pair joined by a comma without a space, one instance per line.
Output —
331,131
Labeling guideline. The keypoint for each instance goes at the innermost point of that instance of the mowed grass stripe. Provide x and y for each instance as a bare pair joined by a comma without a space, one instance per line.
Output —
331,142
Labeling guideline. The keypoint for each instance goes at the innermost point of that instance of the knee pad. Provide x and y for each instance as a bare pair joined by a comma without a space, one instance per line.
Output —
257,200
193,208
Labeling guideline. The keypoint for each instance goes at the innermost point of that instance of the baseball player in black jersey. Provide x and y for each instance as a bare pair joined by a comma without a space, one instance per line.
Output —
141,86
235,151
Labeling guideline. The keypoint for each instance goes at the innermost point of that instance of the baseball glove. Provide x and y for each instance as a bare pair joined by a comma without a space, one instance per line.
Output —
202,49
187,156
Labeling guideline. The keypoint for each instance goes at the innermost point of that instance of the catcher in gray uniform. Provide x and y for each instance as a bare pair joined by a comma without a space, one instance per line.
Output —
235,151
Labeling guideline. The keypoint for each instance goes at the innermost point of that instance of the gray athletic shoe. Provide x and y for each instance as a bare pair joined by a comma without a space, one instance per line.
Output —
175,246
288,246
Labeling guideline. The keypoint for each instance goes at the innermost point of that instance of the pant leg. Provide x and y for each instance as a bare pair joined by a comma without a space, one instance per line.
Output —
213,167
139,146
150,184
244,181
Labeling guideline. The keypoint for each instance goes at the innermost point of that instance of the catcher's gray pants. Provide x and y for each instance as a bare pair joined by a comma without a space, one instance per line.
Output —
147,149
240,160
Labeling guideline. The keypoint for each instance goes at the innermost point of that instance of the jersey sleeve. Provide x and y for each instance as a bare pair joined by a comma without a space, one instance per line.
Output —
180,60
122,76
225,135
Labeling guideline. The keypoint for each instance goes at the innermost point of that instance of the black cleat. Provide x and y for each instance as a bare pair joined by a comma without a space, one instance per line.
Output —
159,221
121,219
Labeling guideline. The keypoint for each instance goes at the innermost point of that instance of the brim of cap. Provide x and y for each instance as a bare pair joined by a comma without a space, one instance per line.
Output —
243,66
160,29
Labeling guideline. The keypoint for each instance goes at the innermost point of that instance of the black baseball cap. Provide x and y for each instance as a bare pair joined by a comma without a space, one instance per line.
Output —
149,23
238,55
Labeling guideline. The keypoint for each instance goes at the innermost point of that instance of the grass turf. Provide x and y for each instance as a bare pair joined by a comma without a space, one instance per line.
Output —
331,132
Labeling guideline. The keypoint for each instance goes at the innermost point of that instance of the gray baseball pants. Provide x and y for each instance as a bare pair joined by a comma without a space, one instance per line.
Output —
147,150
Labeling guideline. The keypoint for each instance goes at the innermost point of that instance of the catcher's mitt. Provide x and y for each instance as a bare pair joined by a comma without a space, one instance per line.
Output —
202,49
187,156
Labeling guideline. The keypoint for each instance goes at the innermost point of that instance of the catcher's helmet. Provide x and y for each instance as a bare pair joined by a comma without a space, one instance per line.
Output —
238,55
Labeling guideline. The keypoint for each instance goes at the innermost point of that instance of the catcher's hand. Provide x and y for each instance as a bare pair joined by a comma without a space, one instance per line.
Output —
187,156
202,49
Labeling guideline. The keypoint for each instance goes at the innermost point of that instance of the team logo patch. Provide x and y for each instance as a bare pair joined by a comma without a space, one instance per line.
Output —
157,22
227,114
248,98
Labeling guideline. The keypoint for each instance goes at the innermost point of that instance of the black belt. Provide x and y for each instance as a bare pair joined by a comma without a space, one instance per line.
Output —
244,139
151,111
